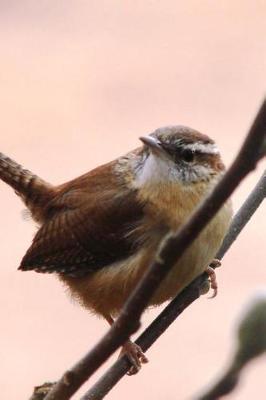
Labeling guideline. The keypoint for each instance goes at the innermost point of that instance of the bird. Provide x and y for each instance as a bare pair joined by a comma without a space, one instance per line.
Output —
100,231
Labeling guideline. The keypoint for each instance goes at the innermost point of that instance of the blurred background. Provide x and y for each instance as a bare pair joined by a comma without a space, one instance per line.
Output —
80,81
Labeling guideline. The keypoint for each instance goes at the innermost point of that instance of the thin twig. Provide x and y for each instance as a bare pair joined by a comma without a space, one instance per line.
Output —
40,392
242,217
146,339
110,378
170,252
249,346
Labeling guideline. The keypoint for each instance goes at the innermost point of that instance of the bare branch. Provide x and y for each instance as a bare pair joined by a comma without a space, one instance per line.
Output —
249,346
40,392
170,252
244,214
110,378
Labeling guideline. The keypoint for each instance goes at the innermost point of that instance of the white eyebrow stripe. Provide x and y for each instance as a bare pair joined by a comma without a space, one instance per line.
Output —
208,148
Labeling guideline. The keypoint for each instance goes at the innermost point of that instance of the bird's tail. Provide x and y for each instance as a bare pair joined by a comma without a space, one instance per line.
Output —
33,190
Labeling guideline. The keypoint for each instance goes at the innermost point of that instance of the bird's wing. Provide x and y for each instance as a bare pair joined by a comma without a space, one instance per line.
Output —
84,237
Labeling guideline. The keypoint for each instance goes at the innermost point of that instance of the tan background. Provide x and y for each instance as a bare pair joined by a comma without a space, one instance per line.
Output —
80,81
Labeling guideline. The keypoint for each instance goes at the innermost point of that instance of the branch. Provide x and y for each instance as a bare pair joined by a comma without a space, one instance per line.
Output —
244,214
169,253
249,346
40,392
113,375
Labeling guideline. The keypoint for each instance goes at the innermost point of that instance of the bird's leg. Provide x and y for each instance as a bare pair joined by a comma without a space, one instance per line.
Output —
109,319
132,351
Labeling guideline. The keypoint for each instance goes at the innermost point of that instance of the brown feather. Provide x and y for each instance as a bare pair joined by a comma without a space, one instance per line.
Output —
34,191
91,226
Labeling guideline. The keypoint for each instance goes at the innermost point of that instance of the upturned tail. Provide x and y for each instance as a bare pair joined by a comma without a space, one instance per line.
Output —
34,191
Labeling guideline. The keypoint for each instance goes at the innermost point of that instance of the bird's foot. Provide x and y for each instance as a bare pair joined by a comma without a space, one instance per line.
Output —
212,281
212,276
135,356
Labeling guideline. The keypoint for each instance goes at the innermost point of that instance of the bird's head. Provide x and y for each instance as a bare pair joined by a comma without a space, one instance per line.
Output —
177,154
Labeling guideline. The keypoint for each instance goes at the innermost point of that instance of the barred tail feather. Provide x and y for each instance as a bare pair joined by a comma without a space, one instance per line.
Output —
33,190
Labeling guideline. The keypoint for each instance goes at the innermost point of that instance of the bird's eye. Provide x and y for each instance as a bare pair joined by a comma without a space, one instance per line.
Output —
188,155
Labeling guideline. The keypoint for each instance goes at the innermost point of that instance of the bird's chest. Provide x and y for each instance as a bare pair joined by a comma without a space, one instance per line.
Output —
196,258
171,203
173,206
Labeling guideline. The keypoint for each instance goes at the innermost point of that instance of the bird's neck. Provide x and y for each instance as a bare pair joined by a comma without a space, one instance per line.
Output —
172,201
166,197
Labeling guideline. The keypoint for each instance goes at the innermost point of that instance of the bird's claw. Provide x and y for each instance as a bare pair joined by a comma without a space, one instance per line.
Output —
213,281
135,356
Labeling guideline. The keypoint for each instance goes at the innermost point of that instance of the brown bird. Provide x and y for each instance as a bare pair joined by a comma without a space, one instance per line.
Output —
100,231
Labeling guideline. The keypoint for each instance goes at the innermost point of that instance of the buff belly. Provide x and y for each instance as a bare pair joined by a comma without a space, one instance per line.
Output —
105,291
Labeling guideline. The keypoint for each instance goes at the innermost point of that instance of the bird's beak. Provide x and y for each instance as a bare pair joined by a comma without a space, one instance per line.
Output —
152,143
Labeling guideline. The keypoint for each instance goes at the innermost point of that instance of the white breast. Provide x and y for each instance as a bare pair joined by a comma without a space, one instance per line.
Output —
155,169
